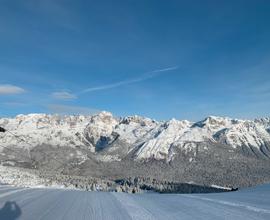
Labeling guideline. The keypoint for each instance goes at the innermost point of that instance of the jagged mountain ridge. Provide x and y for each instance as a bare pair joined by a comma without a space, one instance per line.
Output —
109,138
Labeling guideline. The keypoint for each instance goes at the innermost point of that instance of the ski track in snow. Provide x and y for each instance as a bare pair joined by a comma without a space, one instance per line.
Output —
45,203
252,208
135,211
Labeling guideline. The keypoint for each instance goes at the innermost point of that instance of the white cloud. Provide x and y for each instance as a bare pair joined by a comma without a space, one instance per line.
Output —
7,89
63,95
144,77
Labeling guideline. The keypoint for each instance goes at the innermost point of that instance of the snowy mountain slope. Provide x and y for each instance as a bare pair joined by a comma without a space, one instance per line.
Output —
109,138
38,129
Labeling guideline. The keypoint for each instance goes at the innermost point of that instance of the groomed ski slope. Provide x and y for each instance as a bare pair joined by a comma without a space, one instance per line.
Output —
34,204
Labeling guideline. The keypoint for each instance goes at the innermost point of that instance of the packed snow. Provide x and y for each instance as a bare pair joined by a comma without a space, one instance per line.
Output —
42,203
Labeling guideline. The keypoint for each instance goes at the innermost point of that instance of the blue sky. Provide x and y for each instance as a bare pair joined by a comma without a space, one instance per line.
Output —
160,59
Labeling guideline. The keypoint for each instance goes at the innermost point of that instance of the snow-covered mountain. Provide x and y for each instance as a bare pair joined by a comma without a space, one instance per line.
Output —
110,138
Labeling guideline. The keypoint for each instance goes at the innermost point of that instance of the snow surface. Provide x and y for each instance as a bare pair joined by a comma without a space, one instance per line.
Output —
42,203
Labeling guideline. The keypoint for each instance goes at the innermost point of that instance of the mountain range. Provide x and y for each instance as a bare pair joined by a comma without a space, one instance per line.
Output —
215,150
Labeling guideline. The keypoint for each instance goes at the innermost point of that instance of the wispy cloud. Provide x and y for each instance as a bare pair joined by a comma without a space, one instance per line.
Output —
58,11
63,95
69,109
146,76
7,89
14,104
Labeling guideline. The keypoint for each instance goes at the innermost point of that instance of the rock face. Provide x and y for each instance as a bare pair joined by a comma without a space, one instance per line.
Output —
216,150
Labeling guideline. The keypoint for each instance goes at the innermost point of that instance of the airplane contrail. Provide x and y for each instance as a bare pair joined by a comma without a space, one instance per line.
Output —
146,76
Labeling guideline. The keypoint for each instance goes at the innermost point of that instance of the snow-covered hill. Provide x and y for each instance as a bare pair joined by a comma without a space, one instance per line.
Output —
112,138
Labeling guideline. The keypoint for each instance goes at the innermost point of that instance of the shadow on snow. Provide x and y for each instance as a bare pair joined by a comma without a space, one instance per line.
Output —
10,211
